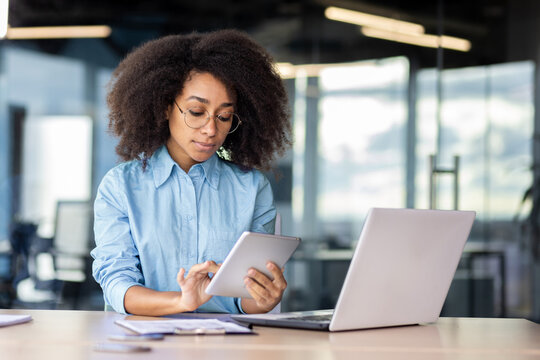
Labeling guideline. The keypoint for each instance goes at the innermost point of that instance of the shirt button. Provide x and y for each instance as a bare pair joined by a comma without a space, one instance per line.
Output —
189,217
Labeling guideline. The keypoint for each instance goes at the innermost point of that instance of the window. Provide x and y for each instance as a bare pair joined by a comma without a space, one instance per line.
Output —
361,116
56,165
487,120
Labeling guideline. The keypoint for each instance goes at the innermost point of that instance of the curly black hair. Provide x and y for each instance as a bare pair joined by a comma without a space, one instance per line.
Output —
148,80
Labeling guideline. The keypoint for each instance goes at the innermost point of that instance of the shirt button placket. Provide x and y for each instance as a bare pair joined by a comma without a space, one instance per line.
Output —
192,225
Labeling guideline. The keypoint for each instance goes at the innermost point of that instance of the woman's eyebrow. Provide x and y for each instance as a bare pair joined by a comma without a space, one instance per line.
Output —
200,99
205,101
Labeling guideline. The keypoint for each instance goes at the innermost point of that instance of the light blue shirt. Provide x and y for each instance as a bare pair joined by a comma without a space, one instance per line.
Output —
148,224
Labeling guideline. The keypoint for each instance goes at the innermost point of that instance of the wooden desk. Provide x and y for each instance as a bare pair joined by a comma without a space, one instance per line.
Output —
59,334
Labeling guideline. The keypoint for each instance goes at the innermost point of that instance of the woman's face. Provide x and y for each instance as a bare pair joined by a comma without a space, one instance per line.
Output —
187,145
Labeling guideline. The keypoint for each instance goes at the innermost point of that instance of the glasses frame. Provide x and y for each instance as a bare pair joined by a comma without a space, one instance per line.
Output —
215,117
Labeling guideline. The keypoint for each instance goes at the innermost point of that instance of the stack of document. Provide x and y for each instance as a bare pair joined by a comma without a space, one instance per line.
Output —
183,327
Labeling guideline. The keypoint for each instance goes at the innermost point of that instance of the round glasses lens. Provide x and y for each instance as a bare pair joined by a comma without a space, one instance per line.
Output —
235,123
196,117
227,122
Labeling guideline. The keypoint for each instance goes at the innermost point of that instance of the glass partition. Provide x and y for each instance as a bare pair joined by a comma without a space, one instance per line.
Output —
487,120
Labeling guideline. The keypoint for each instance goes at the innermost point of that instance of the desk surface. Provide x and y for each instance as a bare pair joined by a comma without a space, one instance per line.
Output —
59,334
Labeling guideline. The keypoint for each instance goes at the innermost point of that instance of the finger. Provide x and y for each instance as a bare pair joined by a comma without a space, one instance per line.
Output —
274,287
218,267
203,268
261,296
257,292
260,278
279,279
276,272
200,267
212,266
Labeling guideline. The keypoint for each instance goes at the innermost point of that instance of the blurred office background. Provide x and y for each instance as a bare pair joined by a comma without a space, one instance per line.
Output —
384,115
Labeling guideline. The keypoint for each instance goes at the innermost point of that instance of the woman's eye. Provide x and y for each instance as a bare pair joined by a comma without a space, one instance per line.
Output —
197,112
225,117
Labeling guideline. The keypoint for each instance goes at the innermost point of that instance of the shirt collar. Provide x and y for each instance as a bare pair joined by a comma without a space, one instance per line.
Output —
212,170
162,165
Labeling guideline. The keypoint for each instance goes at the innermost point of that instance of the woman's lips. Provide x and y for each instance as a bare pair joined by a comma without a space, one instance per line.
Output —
204,146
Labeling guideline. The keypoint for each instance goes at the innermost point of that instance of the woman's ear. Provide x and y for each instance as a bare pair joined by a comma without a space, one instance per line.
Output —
168,112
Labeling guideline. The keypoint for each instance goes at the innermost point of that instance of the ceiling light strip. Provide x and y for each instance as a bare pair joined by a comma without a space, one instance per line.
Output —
425,40
374,21
58,32
290,71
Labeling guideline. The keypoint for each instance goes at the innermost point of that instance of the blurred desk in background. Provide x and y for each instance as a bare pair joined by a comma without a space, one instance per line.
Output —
322,278
479,250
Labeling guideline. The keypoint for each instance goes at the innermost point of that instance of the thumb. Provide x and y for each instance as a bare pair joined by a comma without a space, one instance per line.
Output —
180,276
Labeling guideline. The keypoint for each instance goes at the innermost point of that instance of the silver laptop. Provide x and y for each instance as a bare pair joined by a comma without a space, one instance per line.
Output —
400,273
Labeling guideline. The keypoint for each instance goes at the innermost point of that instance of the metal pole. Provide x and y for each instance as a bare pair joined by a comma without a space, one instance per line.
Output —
456,182
411,136
440,21
432,185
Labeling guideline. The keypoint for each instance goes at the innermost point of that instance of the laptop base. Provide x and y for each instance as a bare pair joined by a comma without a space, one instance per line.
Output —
309,320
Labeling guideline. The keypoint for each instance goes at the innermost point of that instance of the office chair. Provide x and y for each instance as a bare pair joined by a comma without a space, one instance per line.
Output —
71,247
7,290
14,261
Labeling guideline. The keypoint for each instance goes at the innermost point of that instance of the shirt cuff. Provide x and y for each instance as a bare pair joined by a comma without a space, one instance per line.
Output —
239,305
118,292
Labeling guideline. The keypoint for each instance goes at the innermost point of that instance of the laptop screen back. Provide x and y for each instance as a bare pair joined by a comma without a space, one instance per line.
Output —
402,267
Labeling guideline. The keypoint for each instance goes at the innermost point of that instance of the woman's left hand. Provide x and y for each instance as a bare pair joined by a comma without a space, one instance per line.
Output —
266,293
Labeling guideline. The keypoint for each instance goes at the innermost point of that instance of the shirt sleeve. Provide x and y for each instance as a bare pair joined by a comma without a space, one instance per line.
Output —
116,265
264,214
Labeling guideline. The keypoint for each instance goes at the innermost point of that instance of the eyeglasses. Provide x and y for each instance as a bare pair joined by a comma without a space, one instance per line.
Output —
197,117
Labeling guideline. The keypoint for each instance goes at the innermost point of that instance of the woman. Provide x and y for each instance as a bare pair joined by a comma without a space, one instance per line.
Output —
196,115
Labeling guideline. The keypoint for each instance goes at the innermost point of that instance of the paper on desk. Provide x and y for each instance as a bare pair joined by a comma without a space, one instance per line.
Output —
11,319
169,326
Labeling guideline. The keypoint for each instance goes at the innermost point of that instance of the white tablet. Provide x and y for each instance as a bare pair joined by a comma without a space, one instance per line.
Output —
251,250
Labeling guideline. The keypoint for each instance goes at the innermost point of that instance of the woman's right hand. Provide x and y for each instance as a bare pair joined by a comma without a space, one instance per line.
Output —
194,284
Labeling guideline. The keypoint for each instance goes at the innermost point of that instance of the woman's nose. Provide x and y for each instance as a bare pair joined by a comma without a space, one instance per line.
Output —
211,127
